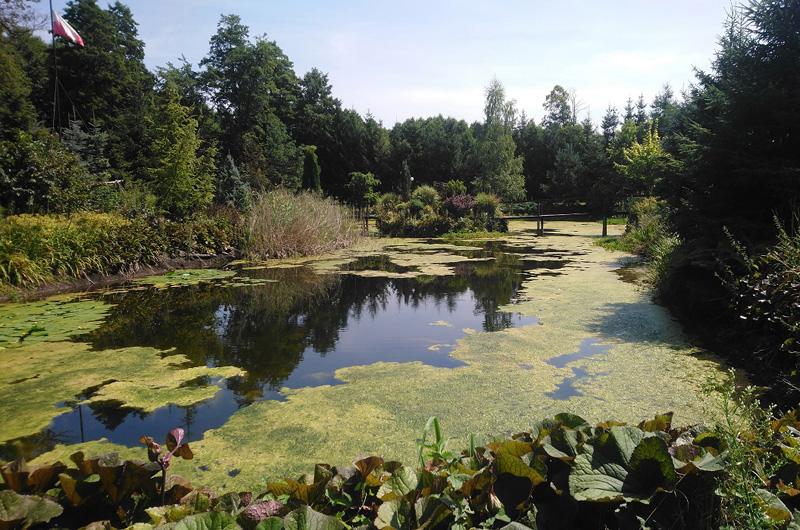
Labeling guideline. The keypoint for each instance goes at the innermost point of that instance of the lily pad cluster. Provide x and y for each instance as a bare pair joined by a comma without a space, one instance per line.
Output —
50,320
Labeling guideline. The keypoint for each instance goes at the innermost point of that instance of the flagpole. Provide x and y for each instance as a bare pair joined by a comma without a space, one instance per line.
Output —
56,110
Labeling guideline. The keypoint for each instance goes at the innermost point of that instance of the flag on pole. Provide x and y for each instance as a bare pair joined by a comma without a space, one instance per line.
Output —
61,27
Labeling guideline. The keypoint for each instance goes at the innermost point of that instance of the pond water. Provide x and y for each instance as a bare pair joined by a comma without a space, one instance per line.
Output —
276,366
292,328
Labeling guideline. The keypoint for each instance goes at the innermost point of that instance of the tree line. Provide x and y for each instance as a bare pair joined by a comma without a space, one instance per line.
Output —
184,137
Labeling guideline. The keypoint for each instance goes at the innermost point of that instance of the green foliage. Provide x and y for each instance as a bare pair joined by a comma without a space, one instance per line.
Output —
362,186
487,204
39,174
644,163
758,489
16,111
501,169
648,234
107,82
742,151
232,190
284,224
562,472
427,195
311,170
37,249
455,187
426,215
182,173
764,292
252,87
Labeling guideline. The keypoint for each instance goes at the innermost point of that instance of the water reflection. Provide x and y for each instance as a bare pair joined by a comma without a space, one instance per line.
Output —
294,331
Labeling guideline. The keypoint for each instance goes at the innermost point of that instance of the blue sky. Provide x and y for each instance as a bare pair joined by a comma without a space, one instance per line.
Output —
416,58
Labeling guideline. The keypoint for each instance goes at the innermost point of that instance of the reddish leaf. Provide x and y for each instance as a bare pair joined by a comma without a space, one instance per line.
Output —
174,438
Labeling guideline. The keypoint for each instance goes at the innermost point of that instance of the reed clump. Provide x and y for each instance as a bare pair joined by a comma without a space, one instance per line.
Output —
283,224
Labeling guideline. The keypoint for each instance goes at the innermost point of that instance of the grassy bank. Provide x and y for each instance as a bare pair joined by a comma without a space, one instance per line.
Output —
42,249
38,249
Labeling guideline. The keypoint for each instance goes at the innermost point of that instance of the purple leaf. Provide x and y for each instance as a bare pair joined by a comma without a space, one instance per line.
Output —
174,438
262,510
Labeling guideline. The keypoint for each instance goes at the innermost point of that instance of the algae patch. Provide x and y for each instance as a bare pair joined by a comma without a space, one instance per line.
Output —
35,379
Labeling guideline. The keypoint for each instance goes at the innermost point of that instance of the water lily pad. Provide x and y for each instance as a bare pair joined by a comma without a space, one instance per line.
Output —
180,278
51,321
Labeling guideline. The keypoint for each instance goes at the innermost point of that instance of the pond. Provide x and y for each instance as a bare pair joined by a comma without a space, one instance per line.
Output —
271,366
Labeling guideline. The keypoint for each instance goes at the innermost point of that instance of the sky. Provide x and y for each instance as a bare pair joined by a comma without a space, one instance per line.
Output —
416,59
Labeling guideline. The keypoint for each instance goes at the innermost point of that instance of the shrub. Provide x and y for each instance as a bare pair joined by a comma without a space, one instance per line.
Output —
426,195
283,224
459,205
389,201
433,225
455,187
487,204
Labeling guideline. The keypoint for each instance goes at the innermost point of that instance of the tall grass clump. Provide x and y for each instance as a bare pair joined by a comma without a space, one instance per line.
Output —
36,249
283,224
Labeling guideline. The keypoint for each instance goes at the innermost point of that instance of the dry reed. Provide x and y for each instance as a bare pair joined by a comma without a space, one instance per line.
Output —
283,224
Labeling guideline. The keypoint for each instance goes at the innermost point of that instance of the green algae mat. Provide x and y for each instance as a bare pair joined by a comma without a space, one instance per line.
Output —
599,348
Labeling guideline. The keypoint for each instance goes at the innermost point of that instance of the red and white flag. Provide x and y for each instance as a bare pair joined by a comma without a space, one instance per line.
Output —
61,27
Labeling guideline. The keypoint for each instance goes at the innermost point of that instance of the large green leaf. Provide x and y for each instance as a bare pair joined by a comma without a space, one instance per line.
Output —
595,477
306,518
572,421
603,476
27,509
208,521
508,463
625,439
430,511
707,463
270,523
394,514
773,507
651,469
563,444
402,482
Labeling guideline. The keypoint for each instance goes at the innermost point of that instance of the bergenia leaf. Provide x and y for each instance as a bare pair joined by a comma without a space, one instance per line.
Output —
184,452
174,438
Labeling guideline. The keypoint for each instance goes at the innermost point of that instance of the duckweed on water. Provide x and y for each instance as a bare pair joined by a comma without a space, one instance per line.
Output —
36,379
647,367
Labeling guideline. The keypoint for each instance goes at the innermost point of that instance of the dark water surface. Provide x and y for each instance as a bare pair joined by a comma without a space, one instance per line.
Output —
292,332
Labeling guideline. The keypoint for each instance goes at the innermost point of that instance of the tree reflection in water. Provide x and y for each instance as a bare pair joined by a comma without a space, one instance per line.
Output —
296,331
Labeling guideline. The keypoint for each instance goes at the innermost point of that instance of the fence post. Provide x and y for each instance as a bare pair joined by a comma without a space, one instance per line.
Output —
540,223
